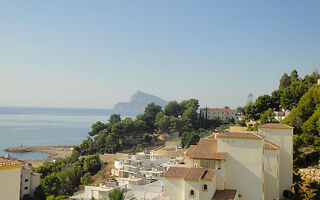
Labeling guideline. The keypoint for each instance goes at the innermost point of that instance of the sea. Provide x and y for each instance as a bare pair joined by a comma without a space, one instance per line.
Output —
48,126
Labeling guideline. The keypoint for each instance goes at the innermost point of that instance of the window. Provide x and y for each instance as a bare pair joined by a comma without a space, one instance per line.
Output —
25,188
191,193
205,187
26,180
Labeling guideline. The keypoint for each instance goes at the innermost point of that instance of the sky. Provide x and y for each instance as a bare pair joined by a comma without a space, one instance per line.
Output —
93,54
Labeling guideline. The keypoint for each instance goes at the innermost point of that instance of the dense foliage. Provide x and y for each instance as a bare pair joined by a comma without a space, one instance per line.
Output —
287,96
120,134
64,176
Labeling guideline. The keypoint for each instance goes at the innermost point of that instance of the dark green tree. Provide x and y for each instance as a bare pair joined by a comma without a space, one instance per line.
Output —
285,81
114,118
172,109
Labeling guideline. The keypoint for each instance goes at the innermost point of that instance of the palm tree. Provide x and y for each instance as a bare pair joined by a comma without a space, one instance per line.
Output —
117,194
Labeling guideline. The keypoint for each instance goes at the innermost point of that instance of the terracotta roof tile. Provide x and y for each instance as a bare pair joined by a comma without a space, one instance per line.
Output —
224,195
207,149
240,135
275,126
270,145
190,173
6,162
209,175
177,172
191,150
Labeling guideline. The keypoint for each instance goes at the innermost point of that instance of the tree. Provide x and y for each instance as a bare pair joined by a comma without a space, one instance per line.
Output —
172,109
117,129
69,179
27,197
240,110
117,194
190,114
96,128
139,126
250,111
86,179
114,118
92,164
162,123
194,103
285,81
51,184
51,197
39,193
150,113
128,126
100,140
241,123
268,117
294,76
111,143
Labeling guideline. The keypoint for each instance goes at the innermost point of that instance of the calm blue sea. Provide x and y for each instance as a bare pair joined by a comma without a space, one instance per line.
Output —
47,126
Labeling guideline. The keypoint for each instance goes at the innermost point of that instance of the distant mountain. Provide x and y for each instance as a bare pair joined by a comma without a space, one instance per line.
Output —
139,101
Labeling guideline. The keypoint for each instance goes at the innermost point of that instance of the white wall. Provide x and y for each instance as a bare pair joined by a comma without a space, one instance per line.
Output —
174,188
192,185
282,138
244,166
271,170
10,184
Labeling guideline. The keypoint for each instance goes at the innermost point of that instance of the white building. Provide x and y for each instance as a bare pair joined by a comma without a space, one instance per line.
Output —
29,181
98,192
16,180
247,166
136,169
282,136
224,114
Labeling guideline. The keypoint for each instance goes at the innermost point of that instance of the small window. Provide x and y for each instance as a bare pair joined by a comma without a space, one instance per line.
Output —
25,188
26,180
191,193
205,187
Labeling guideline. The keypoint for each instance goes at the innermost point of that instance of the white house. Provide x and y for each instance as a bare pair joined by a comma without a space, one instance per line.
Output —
282,136
224,114
247,165
29,181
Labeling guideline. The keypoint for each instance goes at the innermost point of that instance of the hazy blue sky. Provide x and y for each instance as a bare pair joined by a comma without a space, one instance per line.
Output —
96,53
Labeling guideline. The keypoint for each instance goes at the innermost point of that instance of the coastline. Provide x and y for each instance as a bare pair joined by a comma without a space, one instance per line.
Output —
53,151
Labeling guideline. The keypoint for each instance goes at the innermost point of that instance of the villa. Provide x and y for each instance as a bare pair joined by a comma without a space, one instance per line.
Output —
235,165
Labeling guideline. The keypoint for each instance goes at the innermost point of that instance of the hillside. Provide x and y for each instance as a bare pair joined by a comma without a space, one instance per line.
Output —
139,101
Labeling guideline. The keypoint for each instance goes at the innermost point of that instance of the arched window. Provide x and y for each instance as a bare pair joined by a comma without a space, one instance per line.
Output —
191,193
205,187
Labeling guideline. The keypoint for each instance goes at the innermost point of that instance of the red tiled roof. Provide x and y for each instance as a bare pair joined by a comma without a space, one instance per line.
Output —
190,173
275,126
270,145
207,149
224,195
240,135
6,162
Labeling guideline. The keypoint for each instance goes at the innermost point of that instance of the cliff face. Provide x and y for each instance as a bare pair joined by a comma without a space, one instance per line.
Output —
139,101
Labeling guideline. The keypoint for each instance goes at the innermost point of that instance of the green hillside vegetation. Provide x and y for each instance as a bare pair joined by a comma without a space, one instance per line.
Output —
65,176
126,134
287,96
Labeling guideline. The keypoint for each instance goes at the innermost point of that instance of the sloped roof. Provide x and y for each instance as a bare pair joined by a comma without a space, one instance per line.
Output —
270,145
207,149
275,126
190,173
7,162
191,150
224,195
240,135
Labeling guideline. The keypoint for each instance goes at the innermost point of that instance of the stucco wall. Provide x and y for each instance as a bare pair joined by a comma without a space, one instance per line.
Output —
271,170
282,138
10,184
174,188
244,166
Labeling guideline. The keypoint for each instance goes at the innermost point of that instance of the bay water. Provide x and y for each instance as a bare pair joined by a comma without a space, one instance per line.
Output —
47,126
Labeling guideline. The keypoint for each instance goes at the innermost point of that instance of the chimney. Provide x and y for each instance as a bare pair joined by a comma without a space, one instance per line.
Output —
100,184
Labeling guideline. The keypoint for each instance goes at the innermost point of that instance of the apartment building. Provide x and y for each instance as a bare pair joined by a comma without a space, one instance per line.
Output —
16,179
246,165
224,114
